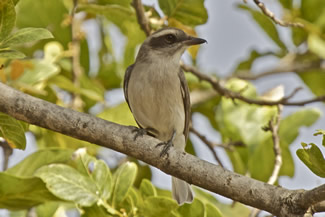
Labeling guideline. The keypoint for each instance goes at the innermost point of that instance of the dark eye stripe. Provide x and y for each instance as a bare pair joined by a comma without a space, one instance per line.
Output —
158,42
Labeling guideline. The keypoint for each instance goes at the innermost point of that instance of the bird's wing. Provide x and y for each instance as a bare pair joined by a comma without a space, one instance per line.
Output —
186,101
125,88
126,83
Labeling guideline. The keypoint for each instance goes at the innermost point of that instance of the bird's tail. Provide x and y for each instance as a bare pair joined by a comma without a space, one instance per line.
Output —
182,191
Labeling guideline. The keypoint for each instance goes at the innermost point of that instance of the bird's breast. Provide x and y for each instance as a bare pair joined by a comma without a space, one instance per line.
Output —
155,98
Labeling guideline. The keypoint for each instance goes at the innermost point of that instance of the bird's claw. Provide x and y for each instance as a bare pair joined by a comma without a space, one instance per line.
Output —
139,132
166,147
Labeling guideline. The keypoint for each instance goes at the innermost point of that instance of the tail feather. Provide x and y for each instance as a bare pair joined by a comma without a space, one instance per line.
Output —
182,191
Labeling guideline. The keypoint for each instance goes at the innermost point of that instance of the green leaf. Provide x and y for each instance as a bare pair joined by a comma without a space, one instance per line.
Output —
313,158
123,180
15,1
204,196
312,9
95,211
289,126
11,54
7,18
47,209
22,193
147,189
81,161
317,45
26,35
247,64
321,132
64,83
240,121
188,12
103,179
39,70
44,14
158,206
286,3
195,209
68,184
315,80
30,164
249,61
143,172
116,13
12,131
289,131
266,24
212,211
298,35
120,114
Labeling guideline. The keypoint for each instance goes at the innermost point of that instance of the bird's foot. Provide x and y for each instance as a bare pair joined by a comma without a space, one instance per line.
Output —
166,145
139,132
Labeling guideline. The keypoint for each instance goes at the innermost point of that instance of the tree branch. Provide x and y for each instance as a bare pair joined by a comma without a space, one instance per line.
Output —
209,144
274,128
7,152
77,102
276,200
236,95
271,15
142,20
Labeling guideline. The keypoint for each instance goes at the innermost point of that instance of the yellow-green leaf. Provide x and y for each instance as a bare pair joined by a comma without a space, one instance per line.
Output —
12,131
7,18
26,35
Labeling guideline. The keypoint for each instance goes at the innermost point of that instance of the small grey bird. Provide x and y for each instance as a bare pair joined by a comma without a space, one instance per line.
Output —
156,91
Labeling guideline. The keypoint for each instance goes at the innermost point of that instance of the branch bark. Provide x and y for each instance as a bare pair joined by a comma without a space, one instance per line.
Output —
276,200
142,20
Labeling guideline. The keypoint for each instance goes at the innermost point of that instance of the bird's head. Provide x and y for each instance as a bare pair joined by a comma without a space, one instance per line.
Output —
168,42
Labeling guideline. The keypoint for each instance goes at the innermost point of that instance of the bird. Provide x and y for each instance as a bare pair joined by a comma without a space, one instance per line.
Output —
157,94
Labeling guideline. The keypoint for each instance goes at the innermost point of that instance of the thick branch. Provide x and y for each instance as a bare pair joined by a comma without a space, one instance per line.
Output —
276,200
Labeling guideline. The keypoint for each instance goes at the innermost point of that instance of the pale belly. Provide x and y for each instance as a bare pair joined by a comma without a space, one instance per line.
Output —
157,103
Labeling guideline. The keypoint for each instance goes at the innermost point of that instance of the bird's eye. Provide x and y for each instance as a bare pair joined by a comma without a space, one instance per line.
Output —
170,39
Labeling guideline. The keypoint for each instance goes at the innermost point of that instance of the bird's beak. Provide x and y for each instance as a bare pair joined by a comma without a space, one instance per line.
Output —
193,41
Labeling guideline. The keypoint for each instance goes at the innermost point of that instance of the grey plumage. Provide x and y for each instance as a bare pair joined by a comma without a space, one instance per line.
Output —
156,91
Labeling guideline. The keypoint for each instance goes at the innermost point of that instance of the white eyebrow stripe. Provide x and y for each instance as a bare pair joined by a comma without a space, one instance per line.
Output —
164,32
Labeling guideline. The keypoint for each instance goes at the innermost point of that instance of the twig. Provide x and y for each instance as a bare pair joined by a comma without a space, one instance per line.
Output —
75,52
235,95
142,20
209,144
212,145
273,127
271,15
7,152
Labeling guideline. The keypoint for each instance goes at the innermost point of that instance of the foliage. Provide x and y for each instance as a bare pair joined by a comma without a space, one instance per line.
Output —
312,156
36,51
58,176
